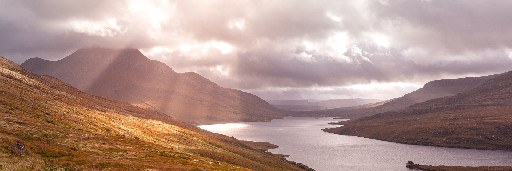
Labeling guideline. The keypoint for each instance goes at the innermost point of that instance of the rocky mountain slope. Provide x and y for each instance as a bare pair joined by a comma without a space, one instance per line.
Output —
127,75
46,124
431,90
478,118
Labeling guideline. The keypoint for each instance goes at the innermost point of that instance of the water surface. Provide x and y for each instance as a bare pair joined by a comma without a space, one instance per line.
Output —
305,142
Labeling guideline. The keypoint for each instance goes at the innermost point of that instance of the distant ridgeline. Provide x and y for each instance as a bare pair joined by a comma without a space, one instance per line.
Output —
431,90
128,75
310,105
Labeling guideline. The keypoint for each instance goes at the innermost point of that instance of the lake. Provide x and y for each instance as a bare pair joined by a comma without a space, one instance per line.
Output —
305,142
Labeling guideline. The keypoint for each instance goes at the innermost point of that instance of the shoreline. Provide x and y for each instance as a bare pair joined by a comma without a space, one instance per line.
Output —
336,130
264,147
325,120
413,166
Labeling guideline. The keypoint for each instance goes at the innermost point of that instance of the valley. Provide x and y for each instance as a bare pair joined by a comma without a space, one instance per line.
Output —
235,85
423,117
461,113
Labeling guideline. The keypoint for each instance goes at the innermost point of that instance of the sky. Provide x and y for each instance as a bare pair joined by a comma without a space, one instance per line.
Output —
279,50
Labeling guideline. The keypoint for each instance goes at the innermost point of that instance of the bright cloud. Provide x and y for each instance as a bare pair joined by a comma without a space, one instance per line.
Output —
155,12
380,39
333,17
237,24
220,69
223,47
338,44
108,27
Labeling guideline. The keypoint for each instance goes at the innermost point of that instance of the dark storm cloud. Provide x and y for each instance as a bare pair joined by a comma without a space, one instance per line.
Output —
265,44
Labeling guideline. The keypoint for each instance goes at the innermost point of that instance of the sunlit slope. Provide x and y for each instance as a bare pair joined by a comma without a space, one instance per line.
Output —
47,124
478,118
431,90
128,75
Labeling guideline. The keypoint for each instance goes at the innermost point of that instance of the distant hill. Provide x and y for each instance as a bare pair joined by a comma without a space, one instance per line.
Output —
431,90
46,124
309,105
477,118
127,75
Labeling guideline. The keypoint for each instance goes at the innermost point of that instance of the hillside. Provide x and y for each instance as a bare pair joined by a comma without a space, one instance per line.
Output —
310,105
128,75
46,124
431,90
479,118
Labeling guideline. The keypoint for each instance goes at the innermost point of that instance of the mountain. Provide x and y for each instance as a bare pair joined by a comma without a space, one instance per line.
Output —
311,105
127,75
431,90
46,124
478,118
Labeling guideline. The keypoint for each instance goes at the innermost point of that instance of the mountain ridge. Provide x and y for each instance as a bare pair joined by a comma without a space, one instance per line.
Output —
477,118
431,90
127,75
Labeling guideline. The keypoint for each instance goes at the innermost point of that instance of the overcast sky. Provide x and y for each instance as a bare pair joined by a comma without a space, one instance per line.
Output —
279,49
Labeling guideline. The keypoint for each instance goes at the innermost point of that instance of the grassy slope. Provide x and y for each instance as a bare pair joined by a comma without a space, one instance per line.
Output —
480,118
46,124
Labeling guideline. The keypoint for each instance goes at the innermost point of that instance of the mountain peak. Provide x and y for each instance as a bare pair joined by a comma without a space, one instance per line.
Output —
106,54
33,61
105,49
128,75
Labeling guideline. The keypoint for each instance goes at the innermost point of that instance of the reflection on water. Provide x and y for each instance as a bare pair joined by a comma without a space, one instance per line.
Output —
305,142
222,127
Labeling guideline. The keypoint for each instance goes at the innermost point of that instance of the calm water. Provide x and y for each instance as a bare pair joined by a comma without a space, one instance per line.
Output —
305,142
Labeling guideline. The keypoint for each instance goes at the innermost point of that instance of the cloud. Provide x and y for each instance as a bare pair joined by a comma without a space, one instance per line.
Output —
276,45
370,91
448,26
